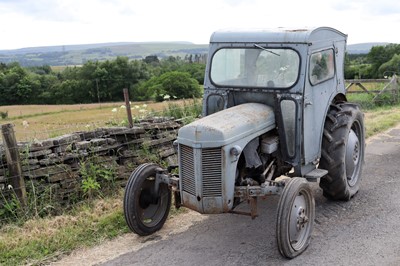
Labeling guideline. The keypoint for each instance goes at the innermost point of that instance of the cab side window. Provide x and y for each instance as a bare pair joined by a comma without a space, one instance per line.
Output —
322,66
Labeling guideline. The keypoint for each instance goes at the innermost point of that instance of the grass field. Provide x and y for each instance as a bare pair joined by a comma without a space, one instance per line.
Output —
47,121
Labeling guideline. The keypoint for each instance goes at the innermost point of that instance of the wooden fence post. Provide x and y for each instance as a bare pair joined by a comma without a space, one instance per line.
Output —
392,87
395,89
14,162
128,107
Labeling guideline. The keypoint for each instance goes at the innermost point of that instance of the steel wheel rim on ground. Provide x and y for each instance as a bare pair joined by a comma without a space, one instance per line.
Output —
299,222
152,210
353,154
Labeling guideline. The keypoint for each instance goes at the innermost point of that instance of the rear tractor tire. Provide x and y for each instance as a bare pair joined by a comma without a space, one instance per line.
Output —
342,152
145,210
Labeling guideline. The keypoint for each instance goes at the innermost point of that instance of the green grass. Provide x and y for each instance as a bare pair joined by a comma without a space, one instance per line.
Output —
381,114
42,239
381,119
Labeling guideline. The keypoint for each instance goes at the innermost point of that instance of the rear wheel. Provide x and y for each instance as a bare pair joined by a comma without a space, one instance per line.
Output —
145,210
295,219
342,151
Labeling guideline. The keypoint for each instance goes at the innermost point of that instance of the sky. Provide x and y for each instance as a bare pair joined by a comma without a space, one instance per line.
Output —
33,23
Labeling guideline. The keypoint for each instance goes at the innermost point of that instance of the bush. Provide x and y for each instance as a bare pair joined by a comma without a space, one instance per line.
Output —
4,115
188,112
365,100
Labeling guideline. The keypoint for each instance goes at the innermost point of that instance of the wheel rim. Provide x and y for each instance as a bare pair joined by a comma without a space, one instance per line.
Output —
152,207
353,154
299,221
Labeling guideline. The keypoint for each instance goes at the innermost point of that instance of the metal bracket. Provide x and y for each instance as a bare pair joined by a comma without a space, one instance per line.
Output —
252,193
163,177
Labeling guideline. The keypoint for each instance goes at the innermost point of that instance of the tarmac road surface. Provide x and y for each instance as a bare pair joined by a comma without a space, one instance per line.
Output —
363,231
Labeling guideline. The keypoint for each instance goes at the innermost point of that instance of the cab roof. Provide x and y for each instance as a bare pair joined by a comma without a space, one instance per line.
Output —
278,35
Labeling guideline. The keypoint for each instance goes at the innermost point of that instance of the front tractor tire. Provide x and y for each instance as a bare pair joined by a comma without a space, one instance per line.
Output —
145,210
342,152
295,219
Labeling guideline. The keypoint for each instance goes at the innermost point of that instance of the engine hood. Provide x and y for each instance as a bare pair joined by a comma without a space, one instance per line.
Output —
227,126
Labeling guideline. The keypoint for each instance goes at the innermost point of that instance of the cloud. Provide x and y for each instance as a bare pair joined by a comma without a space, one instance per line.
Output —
235,3
57,22
368,7
44,10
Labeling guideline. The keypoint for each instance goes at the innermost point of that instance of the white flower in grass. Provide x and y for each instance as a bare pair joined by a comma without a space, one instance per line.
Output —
122,106
10,187
144,105
142,111
137,106
167,97
114,110
25,124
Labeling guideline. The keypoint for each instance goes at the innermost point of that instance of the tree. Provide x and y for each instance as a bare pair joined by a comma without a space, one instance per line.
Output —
179,85
393,65
176,84
17,86
151,59
380,55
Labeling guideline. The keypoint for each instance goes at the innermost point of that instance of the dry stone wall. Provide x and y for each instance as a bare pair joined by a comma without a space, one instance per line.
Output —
55,164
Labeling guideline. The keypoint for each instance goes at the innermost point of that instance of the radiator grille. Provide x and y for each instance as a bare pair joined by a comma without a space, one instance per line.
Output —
211,170
187,169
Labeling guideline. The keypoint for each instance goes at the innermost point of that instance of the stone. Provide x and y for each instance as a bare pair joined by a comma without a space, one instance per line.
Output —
111,141
159,141
63,148
31,161
98,142
130,131
82,145
29,167
40,153
50,161
167,152
37,145
66,139
48,171
87,135
172,160
57,177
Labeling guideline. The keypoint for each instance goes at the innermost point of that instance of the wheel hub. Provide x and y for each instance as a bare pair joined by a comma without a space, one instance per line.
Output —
352,157
302,219
299,219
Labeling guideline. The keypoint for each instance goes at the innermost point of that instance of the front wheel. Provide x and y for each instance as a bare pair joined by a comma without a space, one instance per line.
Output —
145,210
295,219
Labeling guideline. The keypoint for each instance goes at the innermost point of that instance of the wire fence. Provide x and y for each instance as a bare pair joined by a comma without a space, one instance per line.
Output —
374,92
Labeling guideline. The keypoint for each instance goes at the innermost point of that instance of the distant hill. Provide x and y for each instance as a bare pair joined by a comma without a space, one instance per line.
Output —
363,48
63,55
79,54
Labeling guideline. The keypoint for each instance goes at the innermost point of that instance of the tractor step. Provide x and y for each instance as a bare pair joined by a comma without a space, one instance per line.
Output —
315,174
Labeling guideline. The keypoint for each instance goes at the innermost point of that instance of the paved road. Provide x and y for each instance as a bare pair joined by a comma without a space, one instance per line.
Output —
363,231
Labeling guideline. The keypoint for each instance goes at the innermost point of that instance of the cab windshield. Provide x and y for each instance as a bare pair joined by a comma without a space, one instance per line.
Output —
255,67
